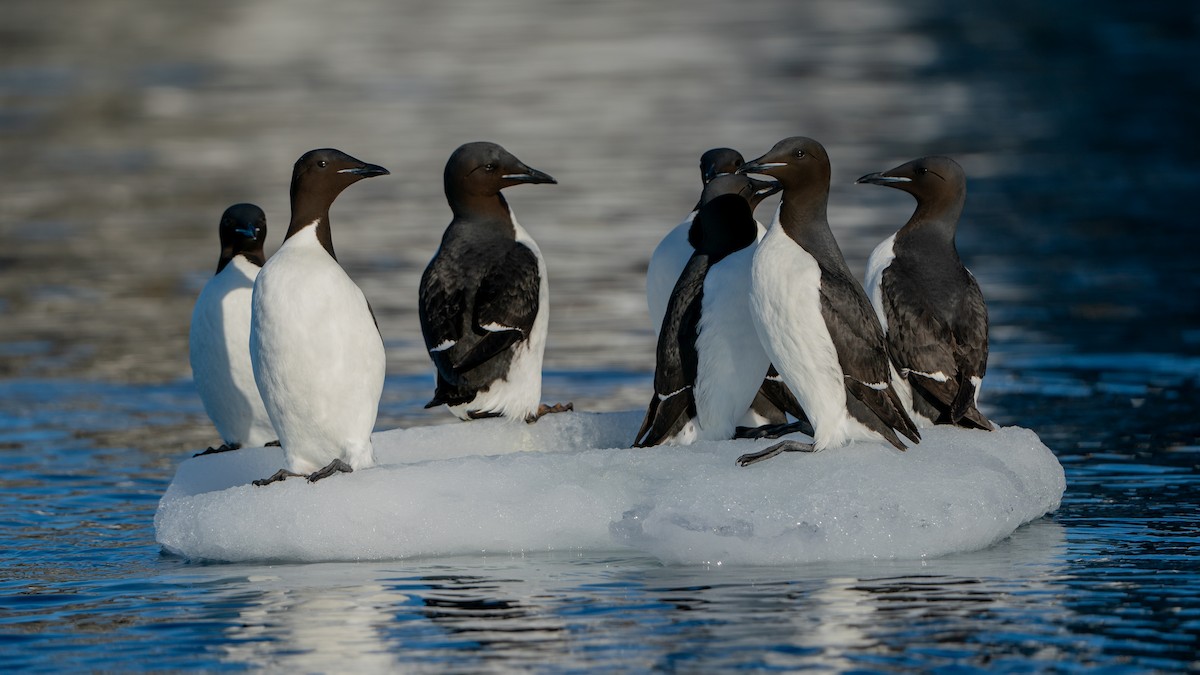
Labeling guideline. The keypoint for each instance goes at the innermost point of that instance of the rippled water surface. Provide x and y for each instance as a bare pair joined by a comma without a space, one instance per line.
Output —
128,126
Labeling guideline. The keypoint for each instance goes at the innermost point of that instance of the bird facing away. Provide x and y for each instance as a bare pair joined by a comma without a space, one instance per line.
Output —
813,317
317,353
709,361
673,252
774,401
484,298
928,303
218,341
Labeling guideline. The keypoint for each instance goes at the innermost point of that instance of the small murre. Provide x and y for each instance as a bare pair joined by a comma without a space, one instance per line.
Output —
929,304
484,297
813,317
219,336
317,353
709,361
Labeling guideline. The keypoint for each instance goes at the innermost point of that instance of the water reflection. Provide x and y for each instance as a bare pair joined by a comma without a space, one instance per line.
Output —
620,612
311,619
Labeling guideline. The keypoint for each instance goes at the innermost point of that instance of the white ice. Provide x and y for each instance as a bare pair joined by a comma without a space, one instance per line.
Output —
570,482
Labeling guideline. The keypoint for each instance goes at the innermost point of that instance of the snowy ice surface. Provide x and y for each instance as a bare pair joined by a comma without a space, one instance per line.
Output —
467,488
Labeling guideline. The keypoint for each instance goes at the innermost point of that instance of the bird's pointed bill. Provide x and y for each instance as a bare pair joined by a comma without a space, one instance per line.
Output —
366,170
881,179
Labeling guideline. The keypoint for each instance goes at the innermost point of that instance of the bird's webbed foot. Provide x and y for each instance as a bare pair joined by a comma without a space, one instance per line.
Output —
544,410
336,466
224,447
773,430
282,474
784,446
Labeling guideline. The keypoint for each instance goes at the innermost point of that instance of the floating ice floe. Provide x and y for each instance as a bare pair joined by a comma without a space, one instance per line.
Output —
570,482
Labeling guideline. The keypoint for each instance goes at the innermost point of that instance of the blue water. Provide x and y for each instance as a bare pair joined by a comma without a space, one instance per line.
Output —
129,127
1110,579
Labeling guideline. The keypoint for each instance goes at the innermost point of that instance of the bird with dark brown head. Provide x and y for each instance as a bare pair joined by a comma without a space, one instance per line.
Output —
814,319
484,297
317,353
929,304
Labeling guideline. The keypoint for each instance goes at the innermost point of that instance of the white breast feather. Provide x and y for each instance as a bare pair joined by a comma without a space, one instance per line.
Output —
786,309
219,350
732,362
318,359
880,258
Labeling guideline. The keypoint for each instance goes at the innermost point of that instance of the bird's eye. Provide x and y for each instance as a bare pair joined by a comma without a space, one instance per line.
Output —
799,153
322,163
490,166
922,171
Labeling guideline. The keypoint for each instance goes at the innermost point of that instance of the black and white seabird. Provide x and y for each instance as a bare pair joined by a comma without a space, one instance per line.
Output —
484,299
813,317
317,353
671,255
673,252
709,361
220,334
929,304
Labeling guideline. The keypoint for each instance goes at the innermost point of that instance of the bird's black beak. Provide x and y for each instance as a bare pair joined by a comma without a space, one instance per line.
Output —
528,175
759,166
881,179
765,188
247,232
366,170
711,174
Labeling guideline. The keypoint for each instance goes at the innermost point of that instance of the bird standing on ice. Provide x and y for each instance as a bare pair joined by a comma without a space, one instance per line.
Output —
484,299
220,334
672,254
317,353
929,304
814,319
709,361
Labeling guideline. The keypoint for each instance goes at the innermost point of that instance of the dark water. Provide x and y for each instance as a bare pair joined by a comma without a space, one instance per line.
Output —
128,127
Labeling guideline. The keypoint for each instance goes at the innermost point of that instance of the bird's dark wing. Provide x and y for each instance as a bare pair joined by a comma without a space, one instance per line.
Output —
862,354
777,394
673,402
506,305
441,308
938,350
469,319
375,320
971,354
921,343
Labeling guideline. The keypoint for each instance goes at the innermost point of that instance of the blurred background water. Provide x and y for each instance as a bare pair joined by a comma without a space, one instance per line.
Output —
128,126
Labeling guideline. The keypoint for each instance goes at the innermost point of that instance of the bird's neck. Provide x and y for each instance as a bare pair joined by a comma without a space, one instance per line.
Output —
489,212
255,257
803,215
304,215
935,220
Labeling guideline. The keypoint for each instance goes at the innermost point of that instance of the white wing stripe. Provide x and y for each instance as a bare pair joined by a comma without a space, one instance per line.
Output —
663,397
446,344
939,376
499,328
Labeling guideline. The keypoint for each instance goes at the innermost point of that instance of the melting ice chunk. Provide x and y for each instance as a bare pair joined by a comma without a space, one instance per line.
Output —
570,482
